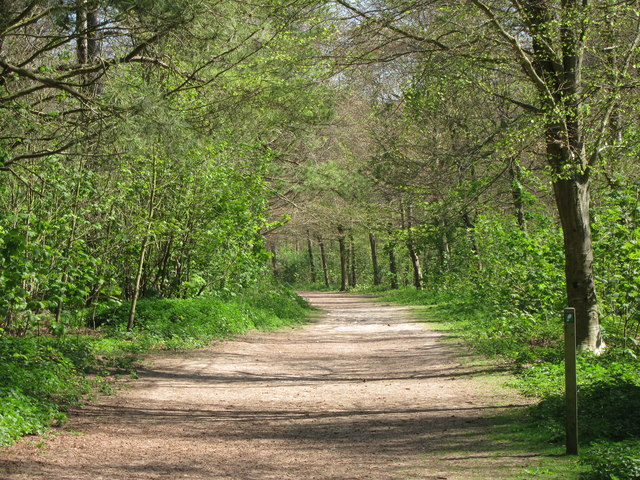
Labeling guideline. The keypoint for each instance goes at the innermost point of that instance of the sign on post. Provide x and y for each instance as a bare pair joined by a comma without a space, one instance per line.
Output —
570,381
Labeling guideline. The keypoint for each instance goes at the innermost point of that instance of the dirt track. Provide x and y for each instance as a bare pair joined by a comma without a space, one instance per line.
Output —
364,392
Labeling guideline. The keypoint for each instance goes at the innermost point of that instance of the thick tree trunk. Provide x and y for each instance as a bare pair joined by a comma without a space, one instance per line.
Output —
557,34
312,263
572,198
566,153
323,259
343,259
572,195
374,259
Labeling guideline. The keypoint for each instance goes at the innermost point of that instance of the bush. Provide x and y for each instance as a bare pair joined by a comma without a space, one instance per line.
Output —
613,461
41,378
180,323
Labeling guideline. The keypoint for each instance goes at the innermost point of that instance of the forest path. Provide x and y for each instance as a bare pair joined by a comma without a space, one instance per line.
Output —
363,392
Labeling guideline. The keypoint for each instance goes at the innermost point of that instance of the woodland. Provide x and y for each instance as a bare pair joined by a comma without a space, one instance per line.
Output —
170,170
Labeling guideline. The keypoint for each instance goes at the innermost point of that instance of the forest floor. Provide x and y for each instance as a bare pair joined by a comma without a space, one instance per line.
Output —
364,391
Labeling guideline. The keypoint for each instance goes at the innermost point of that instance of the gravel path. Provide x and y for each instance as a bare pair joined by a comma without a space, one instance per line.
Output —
364,392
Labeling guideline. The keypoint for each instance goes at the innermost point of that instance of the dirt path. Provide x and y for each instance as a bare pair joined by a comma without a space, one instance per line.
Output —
362,393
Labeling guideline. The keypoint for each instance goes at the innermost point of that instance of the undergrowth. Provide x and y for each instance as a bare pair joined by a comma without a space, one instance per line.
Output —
41,377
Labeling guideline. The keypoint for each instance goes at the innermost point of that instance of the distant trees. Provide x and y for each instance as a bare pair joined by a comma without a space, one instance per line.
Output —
567,67
491,111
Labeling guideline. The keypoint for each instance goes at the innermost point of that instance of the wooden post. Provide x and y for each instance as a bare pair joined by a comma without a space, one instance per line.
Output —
570,381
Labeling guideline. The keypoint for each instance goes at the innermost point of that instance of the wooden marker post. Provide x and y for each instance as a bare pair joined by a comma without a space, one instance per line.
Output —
570,380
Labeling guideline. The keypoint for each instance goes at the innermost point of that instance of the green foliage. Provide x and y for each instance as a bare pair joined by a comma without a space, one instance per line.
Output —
193,322
41,377
21,414
608,409
613,461
617,248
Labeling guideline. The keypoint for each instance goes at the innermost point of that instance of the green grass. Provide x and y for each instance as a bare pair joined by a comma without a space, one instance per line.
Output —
42,376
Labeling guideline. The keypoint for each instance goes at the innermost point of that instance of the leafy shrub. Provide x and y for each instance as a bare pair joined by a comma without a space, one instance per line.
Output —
179,323
613,461
21,414
40,379
608,409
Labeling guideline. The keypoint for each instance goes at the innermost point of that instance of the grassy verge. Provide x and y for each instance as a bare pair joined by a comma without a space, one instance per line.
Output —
609,389
42,376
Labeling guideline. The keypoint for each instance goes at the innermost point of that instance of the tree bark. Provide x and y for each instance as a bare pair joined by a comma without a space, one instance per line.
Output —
393,265
137,282
444,250
413,252
153,184
374,259
343,259
312,264
353,279
517,193
323,259
573,201
566,154
82,28
415,263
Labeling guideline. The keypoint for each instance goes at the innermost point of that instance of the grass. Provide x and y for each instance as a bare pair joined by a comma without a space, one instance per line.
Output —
43,376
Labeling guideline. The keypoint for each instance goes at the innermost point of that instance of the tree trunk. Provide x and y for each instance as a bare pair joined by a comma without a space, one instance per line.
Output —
343,259
353,279
413,253
471,228
323,259
82,28
153,184
136,284
517,193
393,265
415,263
566,154
163,268
312,264
374,259
573,201
444,250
